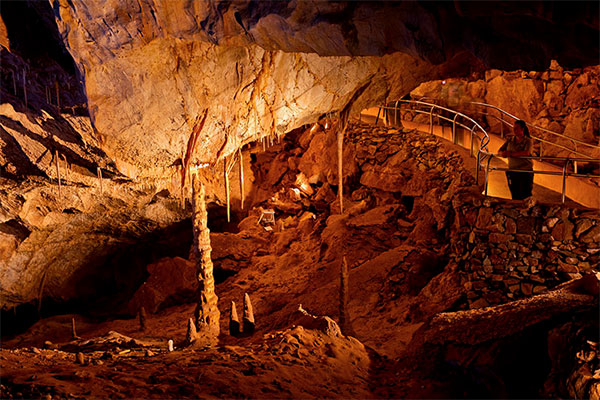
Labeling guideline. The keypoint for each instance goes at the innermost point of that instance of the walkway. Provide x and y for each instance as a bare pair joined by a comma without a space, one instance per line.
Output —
497,185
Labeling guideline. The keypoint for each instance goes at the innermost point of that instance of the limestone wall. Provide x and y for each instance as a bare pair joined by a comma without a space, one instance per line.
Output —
507,250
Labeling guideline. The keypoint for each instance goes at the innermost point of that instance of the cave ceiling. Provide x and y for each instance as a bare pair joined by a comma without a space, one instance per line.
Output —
171,81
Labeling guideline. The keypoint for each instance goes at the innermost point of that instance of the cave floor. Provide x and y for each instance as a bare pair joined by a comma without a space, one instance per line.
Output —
393,261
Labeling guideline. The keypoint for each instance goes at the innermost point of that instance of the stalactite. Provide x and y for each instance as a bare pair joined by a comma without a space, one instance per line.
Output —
100,179
227,197
242,194
14,82
57,97
25,87
206,314
340,154
57,171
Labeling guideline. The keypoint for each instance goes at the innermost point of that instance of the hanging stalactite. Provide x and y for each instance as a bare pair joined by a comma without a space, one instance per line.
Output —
241,178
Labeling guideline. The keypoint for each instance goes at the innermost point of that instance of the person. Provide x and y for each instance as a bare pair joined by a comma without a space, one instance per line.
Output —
518,145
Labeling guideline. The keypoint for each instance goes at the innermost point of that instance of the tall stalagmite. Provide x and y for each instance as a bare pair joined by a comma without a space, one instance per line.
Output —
207,314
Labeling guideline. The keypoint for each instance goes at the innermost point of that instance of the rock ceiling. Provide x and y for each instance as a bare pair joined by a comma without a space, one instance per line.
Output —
154,70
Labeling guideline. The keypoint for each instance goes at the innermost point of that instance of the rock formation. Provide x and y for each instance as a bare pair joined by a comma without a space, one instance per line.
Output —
151,69
206,314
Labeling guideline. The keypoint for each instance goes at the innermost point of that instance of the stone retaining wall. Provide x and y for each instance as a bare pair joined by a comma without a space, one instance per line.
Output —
511,250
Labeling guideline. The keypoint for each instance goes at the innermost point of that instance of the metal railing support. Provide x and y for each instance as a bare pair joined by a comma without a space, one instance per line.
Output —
564,179
454,139
377,119
477,167
487,174
471,144
431,120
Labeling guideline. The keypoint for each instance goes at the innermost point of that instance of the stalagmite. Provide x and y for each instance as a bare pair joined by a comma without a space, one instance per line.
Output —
192,333
241,178
73,331
207,314
344,317
142,315
226,178
56,157
248,317
234,321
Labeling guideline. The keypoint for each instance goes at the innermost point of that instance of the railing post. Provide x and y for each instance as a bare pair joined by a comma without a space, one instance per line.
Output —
575,162
377,119
564,183
454,139
397,113
477,167
487,174
431,121
471,144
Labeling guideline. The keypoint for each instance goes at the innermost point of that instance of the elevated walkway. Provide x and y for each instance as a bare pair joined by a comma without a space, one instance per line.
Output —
546,189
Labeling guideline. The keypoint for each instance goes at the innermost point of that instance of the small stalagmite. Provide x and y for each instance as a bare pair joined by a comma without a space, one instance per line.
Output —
73,330
344,316
192,333
234,321
142,315
207,313
248,318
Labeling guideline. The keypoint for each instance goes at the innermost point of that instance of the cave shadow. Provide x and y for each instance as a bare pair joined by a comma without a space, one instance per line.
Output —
52,145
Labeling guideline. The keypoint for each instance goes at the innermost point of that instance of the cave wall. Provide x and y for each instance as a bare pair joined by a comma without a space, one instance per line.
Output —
152,69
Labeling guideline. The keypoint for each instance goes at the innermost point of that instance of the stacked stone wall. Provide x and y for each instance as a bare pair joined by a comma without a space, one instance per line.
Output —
507,250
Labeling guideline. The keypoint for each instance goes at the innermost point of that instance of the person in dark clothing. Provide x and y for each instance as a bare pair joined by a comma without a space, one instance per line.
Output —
518,145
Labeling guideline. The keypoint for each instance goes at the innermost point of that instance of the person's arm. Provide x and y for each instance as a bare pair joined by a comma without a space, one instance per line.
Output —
502,150
523,148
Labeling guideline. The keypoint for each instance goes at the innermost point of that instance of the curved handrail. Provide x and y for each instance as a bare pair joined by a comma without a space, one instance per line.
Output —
483,141
483,155
534,126
574,141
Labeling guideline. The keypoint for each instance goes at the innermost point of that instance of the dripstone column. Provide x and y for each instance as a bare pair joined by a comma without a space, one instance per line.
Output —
207,314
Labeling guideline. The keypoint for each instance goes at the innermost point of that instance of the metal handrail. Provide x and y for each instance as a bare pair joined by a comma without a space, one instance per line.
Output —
483,140
483,156
541,140
564,173
560,135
